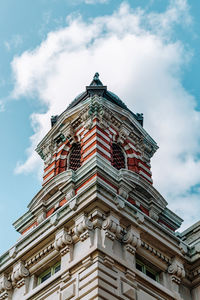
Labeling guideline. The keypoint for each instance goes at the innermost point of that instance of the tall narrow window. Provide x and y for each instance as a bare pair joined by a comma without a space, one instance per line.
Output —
118,159
75,157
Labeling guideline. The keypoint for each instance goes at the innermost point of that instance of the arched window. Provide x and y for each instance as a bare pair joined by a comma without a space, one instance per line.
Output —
118,159
75,157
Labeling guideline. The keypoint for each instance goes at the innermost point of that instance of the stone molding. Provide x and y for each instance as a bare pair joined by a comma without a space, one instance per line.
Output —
39,255
157,253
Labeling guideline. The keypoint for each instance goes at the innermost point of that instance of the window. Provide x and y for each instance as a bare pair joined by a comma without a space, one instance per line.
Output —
118,159
75,157
147,270
48,273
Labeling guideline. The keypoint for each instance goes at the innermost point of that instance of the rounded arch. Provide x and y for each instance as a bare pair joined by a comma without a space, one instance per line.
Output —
117,157
74,161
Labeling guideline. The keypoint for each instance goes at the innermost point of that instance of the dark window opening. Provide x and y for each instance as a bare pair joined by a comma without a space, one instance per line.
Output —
148,269
75,157
118,159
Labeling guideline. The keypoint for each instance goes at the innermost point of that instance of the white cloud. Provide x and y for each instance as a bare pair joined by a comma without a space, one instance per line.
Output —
95,1
14,42
136,58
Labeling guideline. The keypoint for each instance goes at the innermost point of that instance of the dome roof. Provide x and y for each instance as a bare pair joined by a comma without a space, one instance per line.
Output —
97,88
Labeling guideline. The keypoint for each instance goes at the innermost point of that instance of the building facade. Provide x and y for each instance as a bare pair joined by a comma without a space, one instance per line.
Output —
98,229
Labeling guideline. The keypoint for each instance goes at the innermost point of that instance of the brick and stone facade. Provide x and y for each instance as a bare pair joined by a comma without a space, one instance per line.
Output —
98,229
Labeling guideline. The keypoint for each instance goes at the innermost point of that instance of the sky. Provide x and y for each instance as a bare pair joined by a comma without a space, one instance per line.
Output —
146,51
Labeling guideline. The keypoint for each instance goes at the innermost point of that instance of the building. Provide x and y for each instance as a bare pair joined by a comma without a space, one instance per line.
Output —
98,229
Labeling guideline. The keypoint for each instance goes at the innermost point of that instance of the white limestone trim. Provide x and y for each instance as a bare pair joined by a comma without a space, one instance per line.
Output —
145,168
107,185
49,170
145,175
93,131
132,155
49,177
86,184
98,156
80,131
113,131
60,148
103,135
96,147
96,138
52,161
62,156
127,147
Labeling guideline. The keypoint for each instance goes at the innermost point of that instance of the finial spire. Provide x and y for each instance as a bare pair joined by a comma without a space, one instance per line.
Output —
96,81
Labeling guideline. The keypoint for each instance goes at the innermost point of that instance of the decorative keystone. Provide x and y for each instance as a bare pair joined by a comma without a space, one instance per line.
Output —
132,240
124,190
177,272
19,273
70,192
119,202
63,242
13,252
140,218
123,134
154,211
54,219
73,204
41,217
83,228
5,286
183,248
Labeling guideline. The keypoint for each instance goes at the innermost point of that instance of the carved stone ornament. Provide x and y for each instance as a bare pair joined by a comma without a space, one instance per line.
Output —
41,217
112,228
123,134
147,150
5,284
47,152
83,228
63,241
132,240
19,273
176,270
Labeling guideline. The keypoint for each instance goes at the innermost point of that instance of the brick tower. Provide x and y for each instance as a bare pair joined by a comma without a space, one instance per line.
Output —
98,229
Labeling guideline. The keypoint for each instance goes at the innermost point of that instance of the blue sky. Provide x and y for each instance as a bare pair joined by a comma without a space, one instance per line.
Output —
147,52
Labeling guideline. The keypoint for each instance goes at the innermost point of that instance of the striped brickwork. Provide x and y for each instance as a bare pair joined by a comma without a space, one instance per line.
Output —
97,140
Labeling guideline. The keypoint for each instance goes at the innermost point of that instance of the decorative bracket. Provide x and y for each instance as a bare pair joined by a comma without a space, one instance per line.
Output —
5,287
19,274
64,242
83,228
